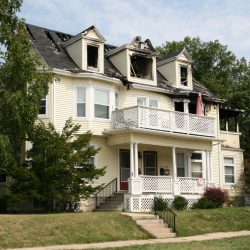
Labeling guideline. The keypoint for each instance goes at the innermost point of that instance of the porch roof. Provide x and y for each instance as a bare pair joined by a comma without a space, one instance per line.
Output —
158,138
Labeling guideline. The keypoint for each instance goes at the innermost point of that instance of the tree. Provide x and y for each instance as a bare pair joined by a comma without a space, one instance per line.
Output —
220,71
21,86
59,170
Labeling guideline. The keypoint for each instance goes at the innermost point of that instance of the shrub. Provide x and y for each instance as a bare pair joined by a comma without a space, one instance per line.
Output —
3,204
180,203
203,203
216,195
159,204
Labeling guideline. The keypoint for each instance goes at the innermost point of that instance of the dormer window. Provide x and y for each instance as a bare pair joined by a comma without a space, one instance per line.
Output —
141,67
184,74
92,52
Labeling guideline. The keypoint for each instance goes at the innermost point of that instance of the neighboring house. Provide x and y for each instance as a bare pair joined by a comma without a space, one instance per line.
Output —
142,111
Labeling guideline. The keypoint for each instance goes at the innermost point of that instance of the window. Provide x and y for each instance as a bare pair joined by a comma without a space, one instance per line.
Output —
42,109
179,106
184,76
153,103
147,102
180,162
229,169
141,101
141,67
196,165
81,102
92,52
101,104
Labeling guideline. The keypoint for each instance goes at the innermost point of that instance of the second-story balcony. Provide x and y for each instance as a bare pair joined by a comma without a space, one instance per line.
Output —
163,120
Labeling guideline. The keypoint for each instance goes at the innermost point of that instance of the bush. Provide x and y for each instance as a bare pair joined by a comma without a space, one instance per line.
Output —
160,204
180,203
216,195
3,204
203,203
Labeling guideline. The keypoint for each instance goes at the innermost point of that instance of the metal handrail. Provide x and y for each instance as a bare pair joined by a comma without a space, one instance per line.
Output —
106,192
168,216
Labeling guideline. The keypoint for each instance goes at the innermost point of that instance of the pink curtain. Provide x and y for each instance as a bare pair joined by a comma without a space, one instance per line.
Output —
199,108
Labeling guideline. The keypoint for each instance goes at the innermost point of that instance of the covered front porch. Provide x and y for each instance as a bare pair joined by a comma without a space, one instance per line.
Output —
152,165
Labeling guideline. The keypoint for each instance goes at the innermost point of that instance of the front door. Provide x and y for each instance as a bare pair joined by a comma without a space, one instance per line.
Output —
124,168
150,163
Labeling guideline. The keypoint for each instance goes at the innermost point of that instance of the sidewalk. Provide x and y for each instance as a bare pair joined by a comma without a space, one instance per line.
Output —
100,245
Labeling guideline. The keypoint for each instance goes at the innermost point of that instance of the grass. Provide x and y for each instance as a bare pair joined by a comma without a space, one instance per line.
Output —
239,243
194,222
51,229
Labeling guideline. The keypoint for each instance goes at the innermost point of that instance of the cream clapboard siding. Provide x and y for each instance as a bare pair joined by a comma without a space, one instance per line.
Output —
182,57
127,98
75,51
215,164
230,139
235,189
168,70
107,156
120,60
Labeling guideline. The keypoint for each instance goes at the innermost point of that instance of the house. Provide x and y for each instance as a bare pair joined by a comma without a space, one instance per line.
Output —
142,110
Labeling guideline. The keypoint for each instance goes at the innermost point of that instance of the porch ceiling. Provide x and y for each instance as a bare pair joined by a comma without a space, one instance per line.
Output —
159,139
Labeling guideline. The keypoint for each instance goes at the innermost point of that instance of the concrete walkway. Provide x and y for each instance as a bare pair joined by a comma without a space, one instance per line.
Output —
212,236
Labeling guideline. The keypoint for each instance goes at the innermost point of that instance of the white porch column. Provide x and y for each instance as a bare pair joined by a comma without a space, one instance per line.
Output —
176,188
208,153
131,159
174,164
136,160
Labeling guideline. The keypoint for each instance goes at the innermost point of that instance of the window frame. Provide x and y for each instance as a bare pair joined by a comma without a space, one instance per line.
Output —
196,161
109,103
147,101
90,68
46,107
75,102
181,84
229,165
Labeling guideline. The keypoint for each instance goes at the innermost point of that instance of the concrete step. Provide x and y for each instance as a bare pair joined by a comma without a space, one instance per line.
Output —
149,221
152,224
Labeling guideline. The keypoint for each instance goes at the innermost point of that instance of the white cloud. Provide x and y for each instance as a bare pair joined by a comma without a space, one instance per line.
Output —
160,20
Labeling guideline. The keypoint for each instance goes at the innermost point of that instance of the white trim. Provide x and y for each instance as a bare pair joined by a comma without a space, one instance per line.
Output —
147,99
75,117
109,104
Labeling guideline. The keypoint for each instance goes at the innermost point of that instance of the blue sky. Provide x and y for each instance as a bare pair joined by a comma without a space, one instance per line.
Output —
120,21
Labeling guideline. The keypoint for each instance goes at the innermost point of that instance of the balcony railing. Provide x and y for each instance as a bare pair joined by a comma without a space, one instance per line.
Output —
163,120
166,185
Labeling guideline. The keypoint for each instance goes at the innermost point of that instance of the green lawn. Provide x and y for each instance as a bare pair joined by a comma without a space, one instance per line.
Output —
193,222
50,229
239,243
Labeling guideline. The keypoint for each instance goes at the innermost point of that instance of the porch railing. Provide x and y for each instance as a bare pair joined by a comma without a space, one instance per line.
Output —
163,120
190,185
154,184
168,216
166,184
106,192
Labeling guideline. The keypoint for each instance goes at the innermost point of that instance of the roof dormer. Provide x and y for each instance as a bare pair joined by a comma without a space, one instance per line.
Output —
177,69
87,50
136,61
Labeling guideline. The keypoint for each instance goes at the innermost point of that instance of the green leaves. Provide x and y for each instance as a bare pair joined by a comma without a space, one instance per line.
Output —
58,170
21,85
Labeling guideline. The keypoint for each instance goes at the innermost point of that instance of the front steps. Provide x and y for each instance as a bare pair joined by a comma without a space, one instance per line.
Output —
114,203
152,224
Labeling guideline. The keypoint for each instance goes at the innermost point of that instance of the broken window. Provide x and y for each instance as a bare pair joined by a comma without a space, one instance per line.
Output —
92,52
184,76
141,67
179,106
